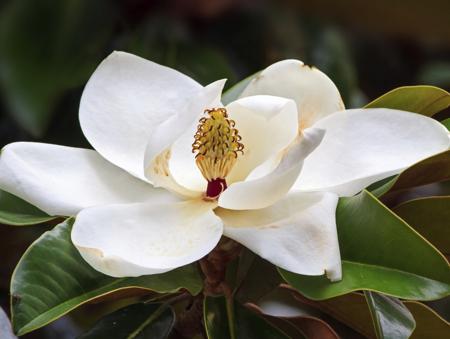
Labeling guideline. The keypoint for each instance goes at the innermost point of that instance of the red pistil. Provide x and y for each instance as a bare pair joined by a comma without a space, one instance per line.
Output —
215,188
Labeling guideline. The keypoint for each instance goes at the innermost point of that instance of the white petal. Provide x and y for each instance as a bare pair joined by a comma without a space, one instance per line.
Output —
264,191
266,124
315,94
160,174
175,137
145,238
125,102
182,163
363,146
298,233
175,126
63,180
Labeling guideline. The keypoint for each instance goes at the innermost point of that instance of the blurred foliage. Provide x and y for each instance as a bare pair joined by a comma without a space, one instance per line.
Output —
435,73
49,48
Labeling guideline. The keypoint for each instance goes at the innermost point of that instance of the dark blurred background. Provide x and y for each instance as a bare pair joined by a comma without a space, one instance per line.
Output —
49,48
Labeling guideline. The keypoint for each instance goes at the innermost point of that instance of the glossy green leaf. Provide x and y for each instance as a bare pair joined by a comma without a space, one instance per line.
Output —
231,320
430,217
235,91
48,47
352,310
392,319
426,100
138,321
14,211
51,279
380,252
430,170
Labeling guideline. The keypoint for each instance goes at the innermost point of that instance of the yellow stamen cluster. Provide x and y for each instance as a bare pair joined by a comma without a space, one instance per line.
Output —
217,144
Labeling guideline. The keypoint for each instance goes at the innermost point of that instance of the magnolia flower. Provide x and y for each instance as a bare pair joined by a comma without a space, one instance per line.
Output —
173,169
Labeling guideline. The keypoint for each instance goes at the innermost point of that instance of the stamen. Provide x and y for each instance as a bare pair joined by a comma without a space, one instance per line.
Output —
217,144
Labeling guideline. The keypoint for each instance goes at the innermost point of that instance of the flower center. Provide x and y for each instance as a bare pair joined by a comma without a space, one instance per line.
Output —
217,144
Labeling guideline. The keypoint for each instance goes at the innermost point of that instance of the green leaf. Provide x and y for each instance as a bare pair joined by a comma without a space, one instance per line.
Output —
48,47
292,327
430,217
138,321
52,279
430,170
258,278
392,319
235,91
352,310
228,319
446,123
16,212
425,100
218,318
238,270
380,252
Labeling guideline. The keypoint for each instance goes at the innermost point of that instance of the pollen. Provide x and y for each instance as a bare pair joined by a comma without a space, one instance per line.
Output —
217,145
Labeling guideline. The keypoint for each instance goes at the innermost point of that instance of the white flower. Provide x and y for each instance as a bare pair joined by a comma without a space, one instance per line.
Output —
280,202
